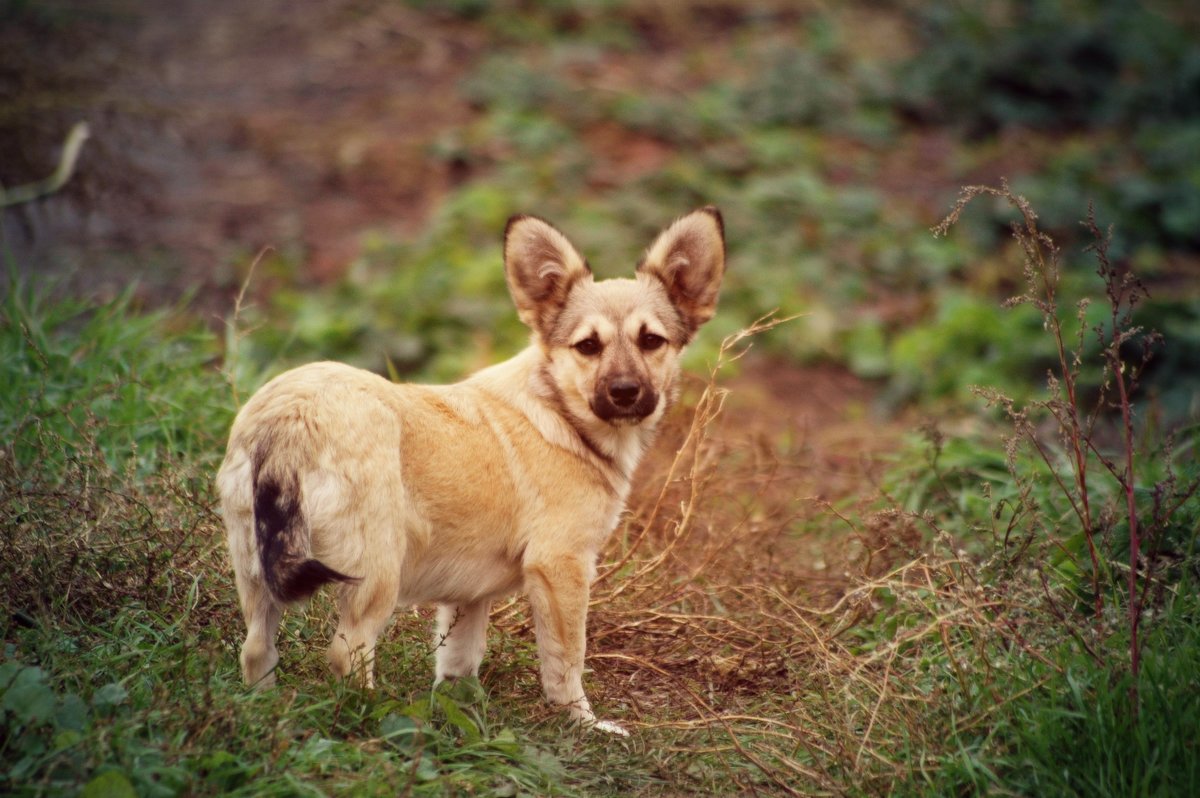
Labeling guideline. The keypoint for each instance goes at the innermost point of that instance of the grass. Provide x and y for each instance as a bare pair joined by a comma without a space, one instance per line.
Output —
179,722
1074,735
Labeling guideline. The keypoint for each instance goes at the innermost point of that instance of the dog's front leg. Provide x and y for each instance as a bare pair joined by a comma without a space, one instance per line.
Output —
558,593
557,587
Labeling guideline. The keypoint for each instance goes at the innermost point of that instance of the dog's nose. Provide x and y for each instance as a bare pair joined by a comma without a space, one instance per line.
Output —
624,393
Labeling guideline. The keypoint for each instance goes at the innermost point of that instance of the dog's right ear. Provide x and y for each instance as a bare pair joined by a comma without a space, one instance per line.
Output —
689,258
540,266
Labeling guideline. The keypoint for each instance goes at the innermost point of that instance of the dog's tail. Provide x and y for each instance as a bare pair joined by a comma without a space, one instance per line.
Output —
283,535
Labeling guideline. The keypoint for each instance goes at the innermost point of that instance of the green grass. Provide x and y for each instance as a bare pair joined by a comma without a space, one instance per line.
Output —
156,704
1075,734
143,381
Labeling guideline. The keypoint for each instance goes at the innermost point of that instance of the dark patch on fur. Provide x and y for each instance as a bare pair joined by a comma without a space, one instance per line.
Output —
715,213
279,529
560,407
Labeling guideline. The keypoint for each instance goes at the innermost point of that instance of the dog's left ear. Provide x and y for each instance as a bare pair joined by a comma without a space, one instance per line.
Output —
689,258
541,266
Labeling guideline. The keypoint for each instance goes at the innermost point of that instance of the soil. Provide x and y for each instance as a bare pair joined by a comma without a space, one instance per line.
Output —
228,127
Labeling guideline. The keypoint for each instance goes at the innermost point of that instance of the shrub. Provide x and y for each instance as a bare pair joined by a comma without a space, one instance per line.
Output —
1108,485
1051,64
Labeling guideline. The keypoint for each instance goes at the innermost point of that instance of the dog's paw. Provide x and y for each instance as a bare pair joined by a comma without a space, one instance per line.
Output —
610,727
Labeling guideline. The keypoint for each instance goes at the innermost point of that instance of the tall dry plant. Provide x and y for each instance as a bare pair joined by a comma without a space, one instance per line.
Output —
1083,425
722,640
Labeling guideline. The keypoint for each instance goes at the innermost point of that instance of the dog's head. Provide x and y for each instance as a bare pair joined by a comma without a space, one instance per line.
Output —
612,347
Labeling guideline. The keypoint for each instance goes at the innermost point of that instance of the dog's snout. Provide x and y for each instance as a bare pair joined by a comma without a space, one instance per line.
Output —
624,398
624,392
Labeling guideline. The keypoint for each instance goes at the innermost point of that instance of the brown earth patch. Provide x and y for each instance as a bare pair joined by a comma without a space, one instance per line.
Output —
294,125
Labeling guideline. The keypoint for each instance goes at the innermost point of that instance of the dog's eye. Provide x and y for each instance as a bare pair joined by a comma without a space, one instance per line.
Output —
649,341
589,346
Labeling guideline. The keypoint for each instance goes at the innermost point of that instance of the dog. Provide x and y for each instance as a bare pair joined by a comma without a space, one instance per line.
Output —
510,480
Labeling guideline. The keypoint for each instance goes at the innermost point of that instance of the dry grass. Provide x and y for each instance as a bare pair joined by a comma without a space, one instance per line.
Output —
88,539
715,634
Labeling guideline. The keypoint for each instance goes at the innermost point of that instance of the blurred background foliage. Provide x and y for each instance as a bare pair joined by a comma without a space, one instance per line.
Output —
833,138
831,155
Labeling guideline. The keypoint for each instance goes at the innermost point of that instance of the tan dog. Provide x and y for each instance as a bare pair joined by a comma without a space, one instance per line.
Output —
510,480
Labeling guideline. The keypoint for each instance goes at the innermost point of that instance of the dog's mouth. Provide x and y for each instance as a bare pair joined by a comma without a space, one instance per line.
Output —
621,419
623,401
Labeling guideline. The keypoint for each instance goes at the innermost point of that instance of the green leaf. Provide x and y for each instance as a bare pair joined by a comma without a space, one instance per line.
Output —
544,761
109,696
457,718
29,698
8,672
224,770
27,764
318,748
506,741
110,784
419,710
427,768
71,713
464,690
66,739
401,731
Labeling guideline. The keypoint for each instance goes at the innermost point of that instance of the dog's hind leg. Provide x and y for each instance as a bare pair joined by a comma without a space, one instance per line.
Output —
364,611
262,614
461,639
260,609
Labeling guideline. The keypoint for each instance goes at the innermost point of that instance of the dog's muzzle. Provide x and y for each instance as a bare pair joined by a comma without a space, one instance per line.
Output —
624,398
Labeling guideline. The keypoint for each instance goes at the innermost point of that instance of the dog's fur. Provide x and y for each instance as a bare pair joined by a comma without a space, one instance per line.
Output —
456,495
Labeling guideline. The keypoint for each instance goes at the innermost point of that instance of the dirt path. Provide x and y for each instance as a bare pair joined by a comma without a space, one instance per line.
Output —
231,126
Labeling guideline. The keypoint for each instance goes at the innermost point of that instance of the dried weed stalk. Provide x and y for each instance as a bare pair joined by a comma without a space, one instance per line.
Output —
725,650
1124,351
86,541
